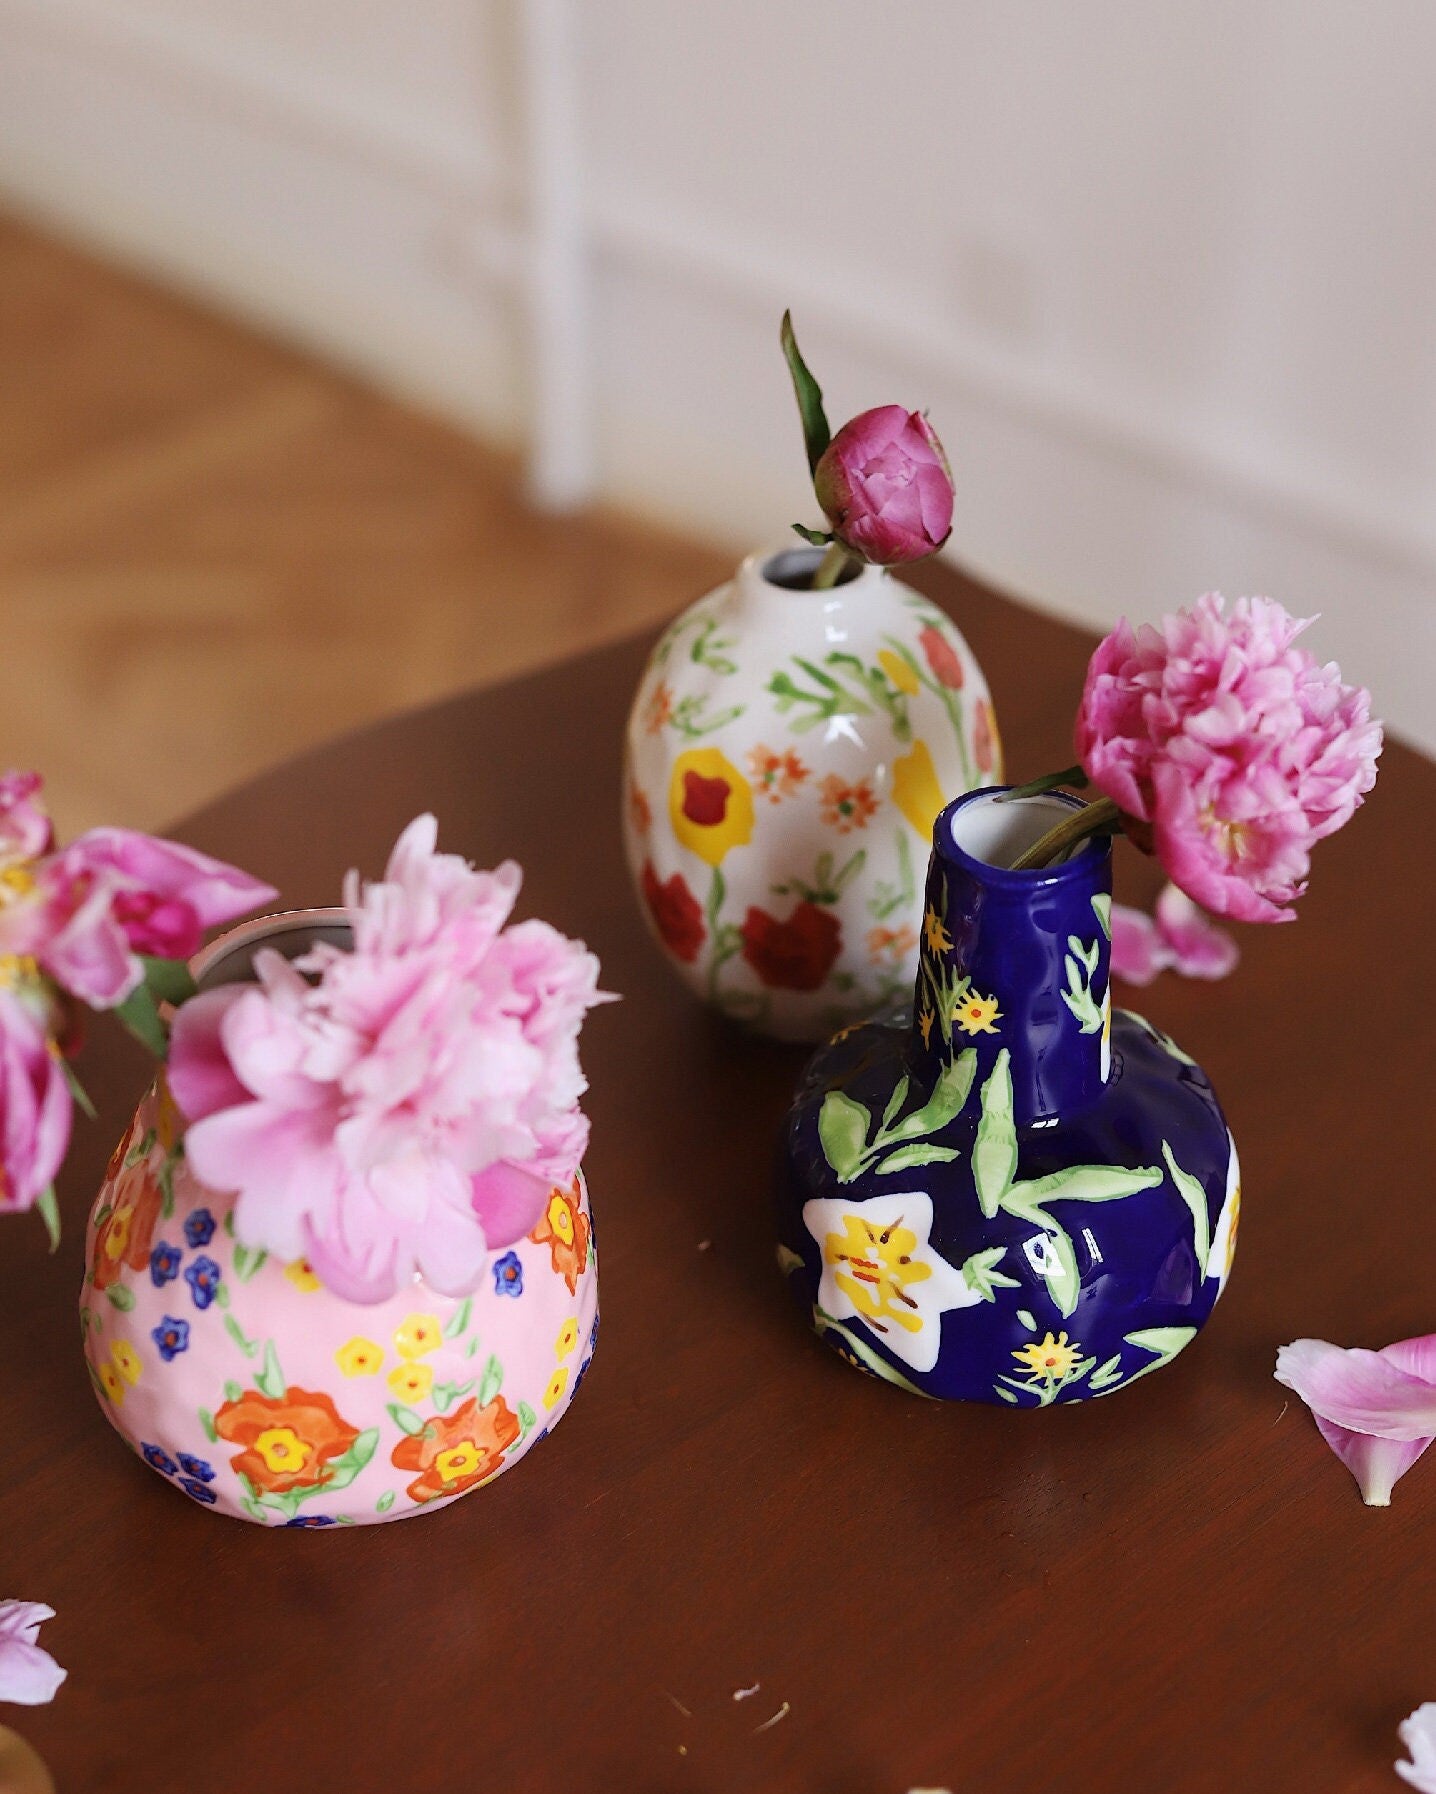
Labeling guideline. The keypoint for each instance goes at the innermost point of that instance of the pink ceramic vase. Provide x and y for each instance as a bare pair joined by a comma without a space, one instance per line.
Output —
260,1393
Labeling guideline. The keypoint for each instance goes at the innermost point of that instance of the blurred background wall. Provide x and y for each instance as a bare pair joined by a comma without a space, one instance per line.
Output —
1163,274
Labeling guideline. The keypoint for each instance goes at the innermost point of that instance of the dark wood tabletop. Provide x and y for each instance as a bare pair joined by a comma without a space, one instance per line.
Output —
1177,1590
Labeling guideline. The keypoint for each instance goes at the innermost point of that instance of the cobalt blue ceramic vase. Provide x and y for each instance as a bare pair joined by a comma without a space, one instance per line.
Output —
1013,1195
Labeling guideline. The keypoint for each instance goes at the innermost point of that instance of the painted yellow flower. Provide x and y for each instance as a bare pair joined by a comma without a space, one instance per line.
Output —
1052,1360
411,1382
977,1014
126,1360
925,1018
359,1357
567,1338
112,1383
877,1266
916,791
459,1460
560,1218
301,1275
710,803
934,932
281,1448
419,1334
557,1383
898,670
169,1123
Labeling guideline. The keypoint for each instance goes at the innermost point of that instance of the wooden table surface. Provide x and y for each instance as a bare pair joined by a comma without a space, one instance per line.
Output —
1175,1590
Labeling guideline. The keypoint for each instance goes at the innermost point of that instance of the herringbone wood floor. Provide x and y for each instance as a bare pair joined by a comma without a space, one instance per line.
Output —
215,550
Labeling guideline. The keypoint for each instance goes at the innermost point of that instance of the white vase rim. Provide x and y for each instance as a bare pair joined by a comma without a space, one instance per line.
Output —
287,932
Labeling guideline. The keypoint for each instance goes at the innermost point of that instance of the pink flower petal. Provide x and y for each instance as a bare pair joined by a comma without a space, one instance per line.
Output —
200,1076
1418,1735
1138,951
1199,949
1377,1464
1359,1390
508,1201
29,1676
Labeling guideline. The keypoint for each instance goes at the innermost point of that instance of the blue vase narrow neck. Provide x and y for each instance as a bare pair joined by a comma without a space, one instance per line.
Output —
1015,962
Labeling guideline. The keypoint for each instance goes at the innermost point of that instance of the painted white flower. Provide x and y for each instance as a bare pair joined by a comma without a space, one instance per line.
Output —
879,1268
1418,1734
28,1675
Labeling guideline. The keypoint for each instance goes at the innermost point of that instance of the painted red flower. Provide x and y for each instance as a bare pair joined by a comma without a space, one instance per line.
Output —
796,954
677,914
942,657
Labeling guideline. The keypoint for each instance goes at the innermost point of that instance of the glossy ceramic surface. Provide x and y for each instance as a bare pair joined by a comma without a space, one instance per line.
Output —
1013,1196
787,753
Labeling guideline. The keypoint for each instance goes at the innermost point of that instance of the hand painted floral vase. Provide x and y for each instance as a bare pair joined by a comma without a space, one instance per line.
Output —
260,1393
1013,1196
787,753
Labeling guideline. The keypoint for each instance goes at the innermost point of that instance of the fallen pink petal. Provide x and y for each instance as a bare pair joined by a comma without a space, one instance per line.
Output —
1198,948
1138,950
1418,1735
29,1676
1376,1410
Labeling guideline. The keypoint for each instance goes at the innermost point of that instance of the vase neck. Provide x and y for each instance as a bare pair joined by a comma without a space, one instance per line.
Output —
1016,961
775,581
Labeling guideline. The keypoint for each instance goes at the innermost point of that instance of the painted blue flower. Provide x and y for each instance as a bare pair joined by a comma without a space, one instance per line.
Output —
160,1459
171,1336
509,1275
203,1279
164,1264
312,1520
198,1491
196,1467
199,1227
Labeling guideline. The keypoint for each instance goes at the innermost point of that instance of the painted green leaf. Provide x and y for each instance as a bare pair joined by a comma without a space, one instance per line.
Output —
788,1260
897,1099
864,1353
1062,1278
1082,1183
949,1094
816,434
142,1150
493,1381
254,1509
385,1502
994,1152
1110,1372
1165,1342
471,1346
247,1260
1191,1192
206,1420
528,1420
270,1380
1006,1394
980,1273
120,1297
405,1419
843,1130
906,1157
237,1333
446,1394
458,1321
1028,1319
232,1392
1102,905
49,1209
343,1469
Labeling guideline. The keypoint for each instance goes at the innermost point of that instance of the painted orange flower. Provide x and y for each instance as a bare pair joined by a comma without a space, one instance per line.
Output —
125,1235
563,1228
890,945
455,1451
640,812
776,776
659,708
846,807
288,1440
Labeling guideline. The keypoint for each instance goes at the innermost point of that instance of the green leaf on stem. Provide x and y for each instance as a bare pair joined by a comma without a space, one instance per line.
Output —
994,1151
819,538
49,1209
906,1157
140,1015
843,1130
168,980
816,434
78,1091
270,1380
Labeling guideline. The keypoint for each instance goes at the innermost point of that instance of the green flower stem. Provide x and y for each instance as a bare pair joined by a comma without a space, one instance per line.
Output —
1050,781
1103,816
836,559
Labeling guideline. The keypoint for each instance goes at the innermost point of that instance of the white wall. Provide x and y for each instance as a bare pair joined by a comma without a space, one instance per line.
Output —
1163,274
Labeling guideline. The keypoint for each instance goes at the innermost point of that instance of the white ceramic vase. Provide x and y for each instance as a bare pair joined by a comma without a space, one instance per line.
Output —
788,751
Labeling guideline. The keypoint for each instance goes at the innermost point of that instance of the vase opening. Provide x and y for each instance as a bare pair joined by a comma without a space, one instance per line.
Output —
995,830
291,934
793,569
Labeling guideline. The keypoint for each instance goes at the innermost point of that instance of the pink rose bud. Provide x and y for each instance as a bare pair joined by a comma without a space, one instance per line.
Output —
886,487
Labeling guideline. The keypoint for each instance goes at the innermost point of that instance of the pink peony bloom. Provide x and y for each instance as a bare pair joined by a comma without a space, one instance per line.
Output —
1233,744
87,912
1177,938
886,487
25,828
35,1107
1418,1737
29,1676
1376,1410
409,1109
